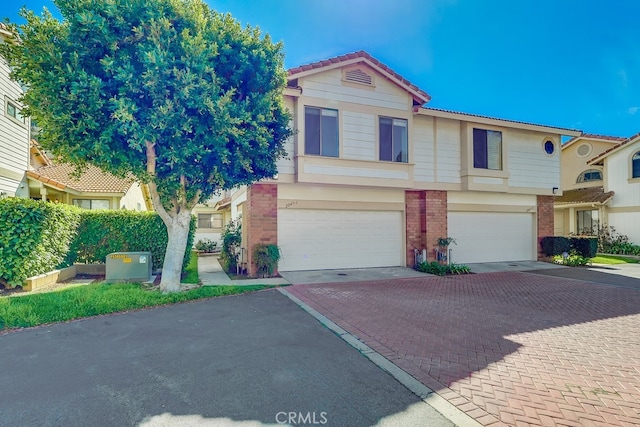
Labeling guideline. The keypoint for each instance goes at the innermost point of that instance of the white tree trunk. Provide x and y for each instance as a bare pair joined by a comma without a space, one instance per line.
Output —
178,231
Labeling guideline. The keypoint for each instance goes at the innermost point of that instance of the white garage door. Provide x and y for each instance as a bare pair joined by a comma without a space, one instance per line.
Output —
489,237
331,239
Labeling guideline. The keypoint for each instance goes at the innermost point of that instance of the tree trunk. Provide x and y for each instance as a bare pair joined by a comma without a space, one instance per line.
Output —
178,231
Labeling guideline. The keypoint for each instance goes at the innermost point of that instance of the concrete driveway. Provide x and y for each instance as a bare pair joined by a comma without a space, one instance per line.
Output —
247,360
507,348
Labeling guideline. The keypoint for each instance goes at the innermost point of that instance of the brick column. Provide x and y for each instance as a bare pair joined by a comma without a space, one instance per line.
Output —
545,221
416,226
436,215
260,219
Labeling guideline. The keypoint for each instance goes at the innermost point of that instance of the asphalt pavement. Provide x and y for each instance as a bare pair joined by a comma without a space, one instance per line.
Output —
247,360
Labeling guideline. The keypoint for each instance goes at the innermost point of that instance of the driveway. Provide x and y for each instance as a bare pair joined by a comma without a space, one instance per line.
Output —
247,360
510,348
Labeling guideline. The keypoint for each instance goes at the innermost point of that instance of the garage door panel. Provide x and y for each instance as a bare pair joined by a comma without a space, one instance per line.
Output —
491,237
330,239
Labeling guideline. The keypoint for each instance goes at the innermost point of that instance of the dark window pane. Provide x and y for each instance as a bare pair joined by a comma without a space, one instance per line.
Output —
312,130
635,165
386,145
549,148
479,148
330,133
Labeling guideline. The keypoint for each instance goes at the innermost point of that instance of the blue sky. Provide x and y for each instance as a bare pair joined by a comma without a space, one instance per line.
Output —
566,63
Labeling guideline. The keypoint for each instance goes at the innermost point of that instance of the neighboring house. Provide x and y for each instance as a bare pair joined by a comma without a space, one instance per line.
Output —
582,207
93,189
372,175
14,132
212,216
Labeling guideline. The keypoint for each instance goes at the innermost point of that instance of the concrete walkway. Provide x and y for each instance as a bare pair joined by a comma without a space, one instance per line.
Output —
212,274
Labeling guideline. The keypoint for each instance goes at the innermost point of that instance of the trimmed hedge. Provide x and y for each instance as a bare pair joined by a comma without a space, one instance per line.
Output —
585,246
103,232
34,237
555,245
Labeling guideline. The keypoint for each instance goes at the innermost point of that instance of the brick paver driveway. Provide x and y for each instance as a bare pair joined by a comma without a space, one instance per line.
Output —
507,348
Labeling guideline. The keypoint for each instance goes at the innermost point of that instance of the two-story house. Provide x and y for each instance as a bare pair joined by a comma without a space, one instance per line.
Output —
14,132
372,175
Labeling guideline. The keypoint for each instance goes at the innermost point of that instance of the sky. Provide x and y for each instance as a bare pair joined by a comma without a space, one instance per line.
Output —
566,63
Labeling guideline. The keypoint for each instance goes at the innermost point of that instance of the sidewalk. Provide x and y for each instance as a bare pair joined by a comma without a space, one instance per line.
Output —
212,274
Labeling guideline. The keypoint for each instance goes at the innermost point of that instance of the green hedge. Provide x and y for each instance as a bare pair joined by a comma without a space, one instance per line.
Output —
34,237
585,246
555,245
103,232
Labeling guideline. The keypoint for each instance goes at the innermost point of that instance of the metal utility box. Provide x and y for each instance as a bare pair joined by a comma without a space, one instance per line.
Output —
128,266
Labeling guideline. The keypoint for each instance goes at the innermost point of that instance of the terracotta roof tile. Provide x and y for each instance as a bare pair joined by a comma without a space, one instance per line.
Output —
584,195
616,147
92,180
424,97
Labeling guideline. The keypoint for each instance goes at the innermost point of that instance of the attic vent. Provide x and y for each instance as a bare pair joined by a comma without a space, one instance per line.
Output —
358,76
584,150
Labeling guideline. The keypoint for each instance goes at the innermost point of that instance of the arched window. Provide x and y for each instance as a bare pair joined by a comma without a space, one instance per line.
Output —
593,174
635,165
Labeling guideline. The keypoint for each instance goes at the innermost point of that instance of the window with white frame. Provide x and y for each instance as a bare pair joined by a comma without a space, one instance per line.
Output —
321,132
587,222
487,149
635,165
589,176
210,220
393,140
13,112
91,203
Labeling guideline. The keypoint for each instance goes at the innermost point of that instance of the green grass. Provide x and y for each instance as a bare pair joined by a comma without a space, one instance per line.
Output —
191,271
22,310
613,259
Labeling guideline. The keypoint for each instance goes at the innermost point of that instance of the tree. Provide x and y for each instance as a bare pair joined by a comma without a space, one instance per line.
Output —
181,96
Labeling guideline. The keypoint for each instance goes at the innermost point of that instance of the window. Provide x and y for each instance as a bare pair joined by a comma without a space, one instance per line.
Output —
13,112
587,222
590,175
549,147
91,204
635,165
393,140
321,132
213,220
487,149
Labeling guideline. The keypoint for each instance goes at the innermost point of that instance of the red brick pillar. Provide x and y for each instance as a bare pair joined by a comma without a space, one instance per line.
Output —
436,215
415,223
545,221
260,219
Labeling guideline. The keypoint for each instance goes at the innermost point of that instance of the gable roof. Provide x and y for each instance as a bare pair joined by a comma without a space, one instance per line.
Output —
92,179
419,96
584,195
601,156
593,136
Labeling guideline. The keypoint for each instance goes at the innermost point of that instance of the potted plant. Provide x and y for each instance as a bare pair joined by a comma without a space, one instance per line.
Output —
443,244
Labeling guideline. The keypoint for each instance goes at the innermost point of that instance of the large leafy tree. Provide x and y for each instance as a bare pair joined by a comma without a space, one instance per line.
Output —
183,97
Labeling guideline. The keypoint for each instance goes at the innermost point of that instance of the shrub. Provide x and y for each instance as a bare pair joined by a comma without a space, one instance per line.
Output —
103,232
266,259
555,245
34,237
573,259
231,241
206,245
585,246
438,269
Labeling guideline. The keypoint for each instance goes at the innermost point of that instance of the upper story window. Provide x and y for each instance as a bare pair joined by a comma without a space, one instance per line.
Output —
635,165
321,132
487,149
589,176
210,220
13,112
393,140
91,204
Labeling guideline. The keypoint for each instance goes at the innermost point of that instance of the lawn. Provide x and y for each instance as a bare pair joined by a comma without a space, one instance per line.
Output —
191,272
613,259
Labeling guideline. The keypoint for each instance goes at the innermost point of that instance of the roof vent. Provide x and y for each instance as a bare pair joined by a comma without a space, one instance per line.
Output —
358,76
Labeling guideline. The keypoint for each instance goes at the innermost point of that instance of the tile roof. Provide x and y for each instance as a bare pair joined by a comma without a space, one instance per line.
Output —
584,195
494,118
92,179
424,97
605,153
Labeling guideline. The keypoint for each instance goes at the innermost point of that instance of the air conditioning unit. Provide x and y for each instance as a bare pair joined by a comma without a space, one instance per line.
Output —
128,267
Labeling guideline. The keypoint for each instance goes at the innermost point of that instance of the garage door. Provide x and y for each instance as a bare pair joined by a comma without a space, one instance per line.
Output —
330,239
489,237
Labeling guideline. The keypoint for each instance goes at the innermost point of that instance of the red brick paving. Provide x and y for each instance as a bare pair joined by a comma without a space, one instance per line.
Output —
507,348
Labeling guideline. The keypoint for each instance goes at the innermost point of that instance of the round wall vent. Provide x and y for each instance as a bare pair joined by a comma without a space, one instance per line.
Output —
584,150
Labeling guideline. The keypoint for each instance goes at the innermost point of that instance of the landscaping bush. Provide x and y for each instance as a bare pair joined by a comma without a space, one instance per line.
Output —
206,245
34,237
612,242
103,232
585,246
555,245
231,241
266,259
438,269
